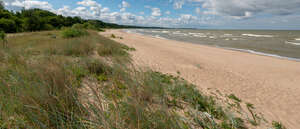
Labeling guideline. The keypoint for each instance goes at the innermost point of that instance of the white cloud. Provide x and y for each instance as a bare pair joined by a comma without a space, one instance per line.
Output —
156,12
280,12
90,3
187,18
64,10
95,8
28,4
122,9
125,4
248,8
105,10
178,4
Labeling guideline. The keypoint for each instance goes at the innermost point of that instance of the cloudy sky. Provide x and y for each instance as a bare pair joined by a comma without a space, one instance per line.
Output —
206,14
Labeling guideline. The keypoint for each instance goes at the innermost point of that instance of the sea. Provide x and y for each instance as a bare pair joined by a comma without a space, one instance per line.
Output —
275,43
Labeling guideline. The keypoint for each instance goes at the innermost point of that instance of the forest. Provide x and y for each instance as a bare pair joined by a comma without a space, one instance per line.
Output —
37,20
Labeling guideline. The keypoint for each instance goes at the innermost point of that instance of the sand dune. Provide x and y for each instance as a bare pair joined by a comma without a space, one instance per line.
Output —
271,84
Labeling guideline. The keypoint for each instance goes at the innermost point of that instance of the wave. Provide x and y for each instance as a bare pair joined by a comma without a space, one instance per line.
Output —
255,35
261,53
288,42
297,39
155,31
130,31
165,31
196,33
133,32
201,36
180,34
158,36
227,35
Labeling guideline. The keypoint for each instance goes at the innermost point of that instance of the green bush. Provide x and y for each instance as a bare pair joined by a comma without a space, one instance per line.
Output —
101,30
3,38
73,32
8,25
277,125
2,35
48,27
113,36
78,26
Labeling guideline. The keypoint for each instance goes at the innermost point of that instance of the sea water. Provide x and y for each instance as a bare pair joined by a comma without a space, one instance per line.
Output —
276,43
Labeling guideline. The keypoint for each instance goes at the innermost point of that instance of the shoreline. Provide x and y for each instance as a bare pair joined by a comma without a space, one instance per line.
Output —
226,48
271,84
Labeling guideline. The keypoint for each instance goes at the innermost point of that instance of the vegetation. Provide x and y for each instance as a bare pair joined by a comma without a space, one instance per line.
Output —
89,82
277,125
73,32
3,38
75,78
113,36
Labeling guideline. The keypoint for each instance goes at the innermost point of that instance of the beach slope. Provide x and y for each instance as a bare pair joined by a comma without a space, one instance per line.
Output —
271,84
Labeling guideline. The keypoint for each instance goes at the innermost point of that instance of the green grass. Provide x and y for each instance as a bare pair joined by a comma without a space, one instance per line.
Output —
73,32
233,97
88,82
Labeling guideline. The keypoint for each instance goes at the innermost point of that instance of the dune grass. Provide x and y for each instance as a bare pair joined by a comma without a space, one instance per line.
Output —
48,81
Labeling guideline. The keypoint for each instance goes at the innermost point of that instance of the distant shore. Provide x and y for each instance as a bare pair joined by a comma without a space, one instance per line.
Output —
271,84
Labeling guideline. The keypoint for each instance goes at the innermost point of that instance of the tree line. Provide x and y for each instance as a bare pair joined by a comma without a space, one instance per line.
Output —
38,19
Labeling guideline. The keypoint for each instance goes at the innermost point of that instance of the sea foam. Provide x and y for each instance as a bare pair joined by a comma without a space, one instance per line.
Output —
261,53
288,42
158,36
255,35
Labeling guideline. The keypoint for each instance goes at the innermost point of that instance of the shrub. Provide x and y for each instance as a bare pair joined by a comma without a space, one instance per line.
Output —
125,47
2,35
113,36
101,30
78,26
73,32
3,38
277,125
8,25
48,27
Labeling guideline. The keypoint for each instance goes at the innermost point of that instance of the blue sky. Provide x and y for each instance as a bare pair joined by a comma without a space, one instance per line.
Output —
206,14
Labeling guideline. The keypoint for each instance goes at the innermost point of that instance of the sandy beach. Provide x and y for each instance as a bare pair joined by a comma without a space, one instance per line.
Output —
271,84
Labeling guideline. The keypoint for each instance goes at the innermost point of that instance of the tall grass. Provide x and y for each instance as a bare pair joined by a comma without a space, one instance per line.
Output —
62,83
73,32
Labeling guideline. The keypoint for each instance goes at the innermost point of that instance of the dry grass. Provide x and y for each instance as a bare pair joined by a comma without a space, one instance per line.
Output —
51,82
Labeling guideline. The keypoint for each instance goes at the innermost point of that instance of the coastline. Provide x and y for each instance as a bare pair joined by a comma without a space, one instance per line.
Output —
271,84
257,52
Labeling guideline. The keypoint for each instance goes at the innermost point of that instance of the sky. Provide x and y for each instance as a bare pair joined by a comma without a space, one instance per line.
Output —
202,14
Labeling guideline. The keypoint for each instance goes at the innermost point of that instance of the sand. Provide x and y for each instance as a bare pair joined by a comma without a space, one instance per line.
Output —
271,84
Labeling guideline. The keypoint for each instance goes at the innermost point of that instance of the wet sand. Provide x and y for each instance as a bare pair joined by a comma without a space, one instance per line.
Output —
271,84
